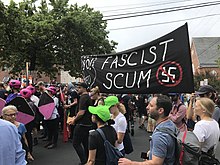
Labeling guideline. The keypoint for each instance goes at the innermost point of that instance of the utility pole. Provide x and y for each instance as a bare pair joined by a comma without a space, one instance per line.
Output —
27,75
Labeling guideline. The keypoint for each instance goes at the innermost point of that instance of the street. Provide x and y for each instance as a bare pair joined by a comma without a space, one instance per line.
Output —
65,154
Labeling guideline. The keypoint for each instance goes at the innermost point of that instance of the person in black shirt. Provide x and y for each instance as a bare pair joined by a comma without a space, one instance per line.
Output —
83,123
2,91
100,116
71,104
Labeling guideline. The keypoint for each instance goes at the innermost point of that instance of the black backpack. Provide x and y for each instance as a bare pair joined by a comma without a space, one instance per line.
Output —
111,152
127,143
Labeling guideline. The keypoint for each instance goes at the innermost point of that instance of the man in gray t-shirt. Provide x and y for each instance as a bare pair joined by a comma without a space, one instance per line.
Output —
162,146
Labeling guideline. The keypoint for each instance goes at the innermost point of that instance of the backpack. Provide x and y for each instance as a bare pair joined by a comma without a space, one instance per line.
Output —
188,150
111,152
208,158
127,143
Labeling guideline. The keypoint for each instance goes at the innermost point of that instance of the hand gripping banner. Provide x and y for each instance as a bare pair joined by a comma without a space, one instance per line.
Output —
160,66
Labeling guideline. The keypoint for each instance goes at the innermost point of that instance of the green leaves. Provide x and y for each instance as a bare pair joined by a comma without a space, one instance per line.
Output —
50,39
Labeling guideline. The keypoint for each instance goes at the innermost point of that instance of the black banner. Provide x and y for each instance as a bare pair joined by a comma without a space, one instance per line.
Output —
161,66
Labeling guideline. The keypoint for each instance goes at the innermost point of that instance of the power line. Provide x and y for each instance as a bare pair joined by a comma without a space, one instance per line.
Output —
211,45
113,6
200,22
160,11
130,27
144,6
135,4
170,9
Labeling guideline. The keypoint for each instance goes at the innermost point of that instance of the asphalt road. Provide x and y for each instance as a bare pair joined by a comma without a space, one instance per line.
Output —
65,154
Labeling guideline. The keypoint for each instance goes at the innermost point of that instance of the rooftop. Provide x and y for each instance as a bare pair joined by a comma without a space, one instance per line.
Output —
208,50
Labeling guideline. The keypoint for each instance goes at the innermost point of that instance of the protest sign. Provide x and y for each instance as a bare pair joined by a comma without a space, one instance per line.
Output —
161,66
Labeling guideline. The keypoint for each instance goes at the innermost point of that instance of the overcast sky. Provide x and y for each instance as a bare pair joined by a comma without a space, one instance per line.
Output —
202,21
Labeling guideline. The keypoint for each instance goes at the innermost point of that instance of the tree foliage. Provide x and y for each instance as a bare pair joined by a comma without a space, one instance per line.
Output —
218,60
51,36
212,80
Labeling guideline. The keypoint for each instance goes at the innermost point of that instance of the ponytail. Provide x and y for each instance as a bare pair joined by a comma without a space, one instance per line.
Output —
121,108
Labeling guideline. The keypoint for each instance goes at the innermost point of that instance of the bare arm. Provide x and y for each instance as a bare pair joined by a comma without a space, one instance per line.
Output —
155,161
91,159
78,116
19,152
190,112
73,103
120,137
28,153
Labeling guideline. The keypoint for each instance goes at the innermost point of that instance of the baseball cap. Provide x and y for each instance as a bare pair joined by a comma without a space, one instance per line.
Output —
101,111
205,89
82,84
111,100
39,83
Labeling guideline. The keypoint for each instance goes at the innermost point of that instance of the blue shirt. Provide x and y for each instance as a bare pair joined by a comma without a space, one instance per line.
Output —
21,129
11,152
163,145
12,96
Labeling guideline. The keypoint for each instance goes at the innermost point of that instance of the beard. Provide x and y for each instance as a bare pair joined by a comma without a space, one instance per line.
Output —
154,115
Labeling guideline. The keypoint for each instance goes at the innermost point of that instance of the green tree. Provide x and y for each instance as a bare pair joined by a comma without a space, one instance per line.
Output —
50,38
212,80
218,60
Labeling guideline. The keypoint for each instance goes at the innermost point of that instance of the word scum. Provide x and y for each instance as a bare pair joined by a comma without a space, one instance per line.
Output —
137,63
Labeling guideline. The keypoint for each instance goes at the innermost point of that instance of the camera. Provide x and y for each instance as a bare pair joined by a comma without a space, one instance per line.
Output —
144,155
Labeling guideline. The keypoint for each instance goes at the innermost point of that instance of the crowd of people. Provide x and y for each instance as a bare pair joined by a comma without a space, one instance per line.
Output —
80,111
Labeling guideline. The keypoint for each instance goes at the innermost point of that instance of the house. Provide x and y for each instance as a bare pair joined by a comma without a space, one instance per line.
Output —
205,51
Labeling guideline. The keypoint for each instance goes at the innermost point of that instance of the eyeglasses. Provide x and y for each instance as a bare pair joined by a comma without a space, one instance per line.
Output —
13,114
